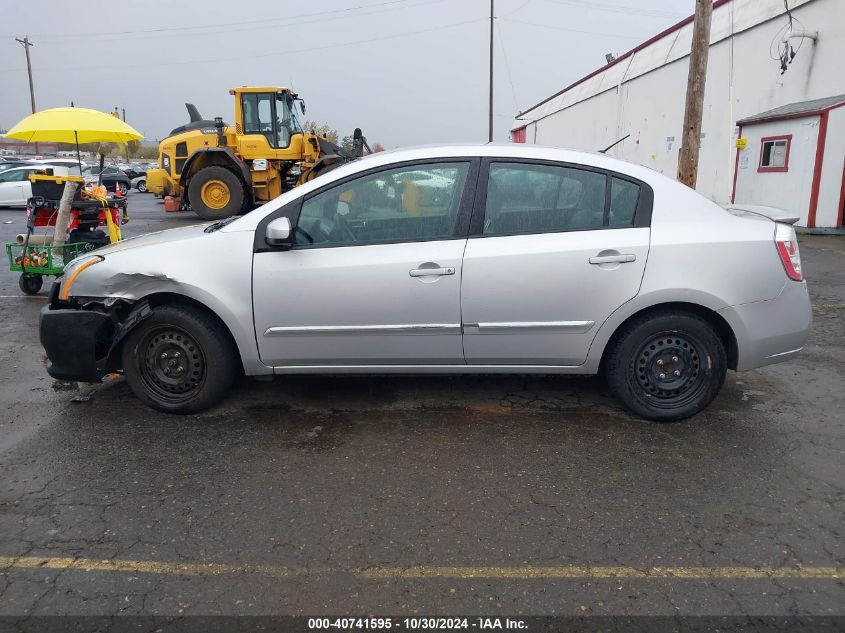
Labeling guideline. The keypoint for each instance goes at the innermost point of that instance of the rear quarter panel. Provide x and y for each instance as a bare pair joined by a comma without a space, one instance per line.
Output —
699,254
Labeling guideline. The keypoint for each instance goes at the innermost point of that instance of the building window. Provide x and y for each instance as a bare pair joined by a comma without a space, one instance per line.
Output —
774,153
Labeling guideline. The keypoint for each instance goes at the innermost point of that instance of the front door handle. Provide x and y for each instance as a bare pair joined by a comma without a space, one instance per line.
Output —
431,272
621,258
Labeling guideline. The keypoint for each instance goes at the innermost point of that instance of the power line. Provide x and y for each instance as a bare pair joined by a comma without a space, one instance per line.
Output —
507,65
617,8
274,53
517,10
566,30
274,24
287,18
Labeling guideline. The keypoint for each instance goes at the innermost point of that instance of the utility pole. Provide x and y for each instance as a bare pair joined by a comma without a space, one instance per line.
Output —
26,45
490,122
691,138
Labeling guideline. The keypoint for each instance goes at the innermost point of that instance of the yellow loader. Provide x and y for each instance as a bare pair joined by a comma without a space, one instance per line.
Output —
218,170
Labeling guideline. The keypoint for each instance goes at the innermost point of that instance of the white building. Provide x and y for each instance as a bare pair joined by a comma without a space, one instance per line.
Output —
641,95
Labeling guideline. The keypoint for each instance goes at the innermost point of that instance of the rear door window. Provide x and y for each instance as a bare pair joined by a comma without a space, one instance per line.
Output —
624,197
533,198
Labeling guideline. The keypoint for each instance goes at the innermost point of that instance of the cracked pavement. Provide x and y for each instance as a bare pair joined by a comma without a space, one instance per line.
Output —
327,475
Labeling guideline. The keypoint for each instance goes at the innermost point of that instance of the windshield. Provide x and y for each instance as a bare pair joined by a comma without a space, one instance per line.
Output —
293,121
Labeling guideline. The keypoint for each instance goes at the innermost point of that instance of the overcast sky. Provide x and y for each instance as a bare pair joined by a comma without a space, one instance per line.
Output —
405,71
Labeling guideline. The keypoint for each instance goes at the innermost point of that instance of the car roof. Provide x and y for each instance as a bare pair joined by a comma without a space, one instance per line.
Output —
506,150
34,166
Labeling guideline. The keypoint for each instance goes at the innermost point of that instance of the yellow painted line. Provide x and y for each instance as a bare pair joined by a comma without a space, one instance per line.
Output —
141,566
577,572
415,572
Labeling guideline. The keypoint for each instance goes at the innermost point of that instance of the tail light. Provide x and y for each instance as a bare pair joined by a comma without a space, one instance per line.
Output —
787,246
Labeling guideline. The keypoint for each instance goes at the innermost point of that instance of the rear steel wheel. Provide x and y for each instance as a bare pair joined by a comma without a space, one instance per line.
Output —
669,368
666,366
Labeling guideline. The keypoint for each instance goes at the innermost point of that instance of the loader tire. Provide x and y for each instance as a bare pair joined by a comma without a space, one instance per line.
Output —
215,193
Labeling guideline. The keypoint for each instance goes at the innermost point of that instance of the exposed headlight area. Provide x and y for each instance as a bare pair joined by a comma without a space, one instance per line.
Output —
72,272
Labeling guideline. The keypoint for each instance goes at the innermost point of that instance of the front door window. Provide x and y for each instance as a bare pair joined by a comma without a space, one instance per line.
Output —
407,204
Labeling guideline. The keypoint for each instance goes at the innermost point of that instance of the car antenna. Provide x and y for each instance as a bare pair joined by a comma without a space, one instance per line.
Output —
612,145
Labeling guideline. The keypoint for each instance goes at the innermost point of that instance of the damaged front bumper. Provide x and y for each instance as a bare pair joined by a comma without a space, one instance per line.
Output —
82,339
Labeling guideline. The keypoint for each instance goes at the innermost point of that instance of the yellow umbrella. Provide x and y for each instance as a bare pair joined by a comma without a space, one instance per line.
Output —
73,125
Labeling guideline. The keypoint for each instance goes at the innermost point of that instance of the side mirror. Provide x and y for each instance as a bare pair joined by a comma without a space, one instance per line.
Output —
278,233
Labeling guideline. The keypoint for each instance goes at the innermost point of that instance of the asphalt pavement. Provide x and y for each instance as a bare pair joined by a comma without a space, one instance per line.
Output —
422,495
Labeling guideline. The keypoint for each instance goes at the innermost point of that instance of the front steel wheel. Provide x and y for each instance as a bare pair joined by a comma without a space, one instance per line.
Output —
180,359
171,364
666,366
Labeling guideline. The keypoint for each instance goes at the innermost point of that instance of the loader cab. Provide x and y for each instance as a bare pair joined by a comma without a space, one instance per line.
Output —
268,112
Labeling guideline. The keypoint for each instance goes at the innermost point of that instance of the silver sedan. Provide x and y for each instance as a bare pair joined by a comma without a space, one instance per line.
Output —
451,260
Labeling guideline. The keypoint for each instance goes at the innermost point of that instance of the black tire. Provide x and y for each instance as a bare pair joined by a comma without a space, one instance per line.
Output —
235,188
679,346
179,360
142,186
30,283
121,188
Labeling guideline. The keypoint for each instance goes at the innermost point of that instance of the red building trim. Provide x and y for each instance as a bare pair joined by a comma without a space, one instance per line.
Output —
736,167
761,169
633,51
518,134
817,170
840,218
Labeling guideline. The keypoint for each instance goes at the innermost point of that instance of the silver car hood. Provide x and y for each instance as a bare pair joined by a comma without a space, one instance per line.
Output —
159,237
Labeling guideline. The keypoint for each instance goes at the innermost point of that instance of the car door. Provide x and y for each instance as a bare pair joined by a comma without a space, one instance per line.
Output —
25,191
374,275
12,187
553,250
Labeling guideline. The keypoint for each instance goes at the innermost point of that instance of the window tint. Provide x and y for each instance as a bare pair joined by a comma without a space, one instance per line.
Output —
420,202
541,198
624,196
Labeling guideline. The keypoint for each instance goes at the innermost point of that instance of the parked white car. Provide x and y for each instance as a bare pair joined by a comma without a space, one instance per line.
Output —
527,260
15,187
70,163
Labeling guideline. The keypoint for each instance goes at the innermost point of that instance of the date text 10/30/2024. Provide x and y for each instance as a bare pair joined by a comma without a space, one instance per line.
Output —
417,623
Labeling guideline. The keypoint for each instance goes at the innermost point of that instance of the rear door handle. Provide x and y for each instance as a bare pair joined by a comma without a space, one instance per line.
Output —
431,272
622,258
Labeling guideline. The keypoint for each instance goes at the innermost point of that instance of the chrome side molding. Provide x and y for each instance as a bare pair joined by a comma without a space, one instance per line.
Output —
569,327
369,330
